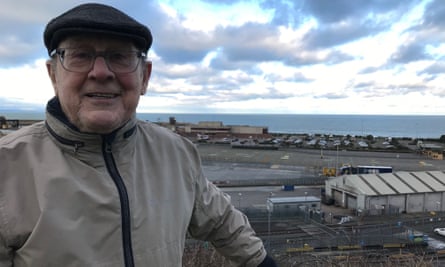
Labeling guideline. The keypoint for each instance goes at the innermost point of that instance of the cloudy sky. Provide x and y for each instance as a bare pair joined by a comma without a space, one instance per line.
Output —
270,56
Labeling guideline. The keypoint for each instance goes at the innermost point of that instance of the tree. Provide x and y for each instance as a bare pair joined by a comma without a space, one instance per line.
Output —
2,121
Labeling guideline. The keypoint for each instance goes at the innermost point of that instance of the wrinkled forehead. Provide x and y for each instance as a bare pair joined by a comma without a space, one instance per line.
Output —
97,41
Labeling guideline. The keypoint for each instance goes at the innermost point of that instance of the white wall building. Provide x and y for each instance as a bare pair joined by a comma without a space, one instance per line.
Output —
289,204
389,192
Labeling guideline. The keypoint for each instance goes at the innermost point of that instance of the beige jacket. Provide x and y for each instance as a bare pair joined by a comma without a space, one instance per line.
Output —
73,199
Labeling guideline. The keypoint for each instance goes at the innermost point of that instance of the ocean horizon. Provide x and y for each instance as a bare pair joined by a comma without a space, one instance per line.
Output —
411,126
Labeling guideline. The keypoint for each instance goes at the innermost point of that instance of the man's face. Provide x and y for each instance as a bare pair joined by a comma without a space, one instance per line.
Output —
99,100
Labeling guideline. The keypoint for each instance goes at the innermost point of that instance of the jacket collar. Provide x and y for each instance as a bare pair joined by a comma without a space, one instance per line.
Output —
70,137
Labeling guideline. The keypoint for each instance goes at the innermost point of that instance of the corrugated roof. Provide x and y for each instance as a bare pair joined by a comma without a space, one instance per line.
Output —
282,200
392,183
379,184
439,175
414,182
399,186
430,181
356,183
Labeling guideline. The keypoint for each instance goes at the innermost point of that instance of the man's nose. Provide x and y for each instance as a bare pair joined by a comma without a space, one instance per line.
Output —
100,66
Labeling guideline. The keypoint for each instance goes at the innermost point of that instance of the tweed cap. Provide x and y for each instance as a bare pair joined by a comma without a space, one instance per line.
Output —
97,19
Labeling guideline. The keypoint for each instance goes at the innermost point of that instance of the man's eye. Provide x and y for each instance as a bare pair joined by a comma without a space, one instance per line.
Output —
80,55
117,56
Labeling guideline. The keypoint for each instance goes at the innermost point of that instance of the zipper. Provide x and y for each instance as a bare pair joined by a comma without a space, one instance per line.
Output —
117,178
75,144
123,196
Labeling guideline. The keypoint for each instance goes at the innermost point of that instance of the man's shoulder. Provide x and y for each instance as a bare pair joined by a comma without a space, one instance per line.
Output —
34,131
156,129
162,134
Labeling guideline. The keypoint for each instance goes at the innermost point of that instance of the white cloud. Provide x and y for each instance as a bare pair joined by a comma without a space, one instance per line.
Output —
357,57
205,17
27,84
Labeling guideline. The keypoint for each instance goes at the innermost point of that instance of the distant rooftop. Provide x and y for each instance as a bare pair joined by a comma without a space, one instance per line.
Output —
283,200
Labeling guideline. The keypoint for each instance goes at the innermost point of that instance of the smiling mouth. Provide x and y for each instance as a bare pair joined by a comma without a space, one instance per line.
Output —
102,95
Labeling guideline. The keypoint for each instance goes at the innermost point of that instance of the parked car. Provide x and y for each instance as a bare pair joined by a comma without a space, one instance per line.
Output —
439,231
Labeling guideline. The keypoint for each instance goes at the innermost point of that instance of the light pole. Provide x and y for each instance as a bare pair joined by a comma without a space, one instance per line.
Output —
268,228
269,207
239,200
336,163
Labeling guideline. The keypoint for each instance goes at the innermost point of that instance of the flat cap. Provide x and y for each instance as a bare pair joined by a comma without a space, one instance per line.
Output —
97,19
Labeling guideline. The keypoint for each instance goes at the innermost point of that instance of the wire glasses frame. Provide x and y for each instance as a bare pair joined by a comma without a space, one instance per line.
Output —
82,60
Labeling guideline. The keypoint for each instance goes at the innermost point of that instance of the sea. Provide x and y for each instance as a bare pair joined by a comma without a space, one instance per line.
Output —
409,126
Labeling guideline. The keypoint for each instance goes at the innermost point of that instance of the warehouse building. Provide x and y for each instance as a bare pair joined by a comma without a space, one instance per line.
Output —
389,193
284,203
292,204
215,128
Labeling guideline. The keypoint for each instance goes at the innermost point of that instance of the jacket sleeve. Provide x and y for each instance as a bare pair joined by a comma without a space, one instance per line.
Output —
216,220
5,251
268,262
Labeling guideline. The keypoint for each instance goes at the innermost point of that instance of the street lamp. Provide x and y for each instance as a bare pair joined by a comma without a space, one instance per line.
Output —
336,163
239,200
268,228
269,207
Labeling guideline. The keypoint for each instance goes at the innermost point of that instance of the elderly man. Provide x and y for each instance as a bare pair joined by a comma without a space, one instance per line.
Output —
92,185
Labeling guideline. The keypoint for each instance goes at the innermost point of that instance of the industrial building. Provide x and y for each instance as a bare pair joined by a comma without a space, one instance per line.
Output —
215,128
389,193
292,204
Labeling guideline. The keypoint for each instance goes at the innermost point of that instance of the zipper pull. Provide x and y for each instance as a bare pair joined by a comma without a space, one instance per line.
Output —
107,142
108,148
77,145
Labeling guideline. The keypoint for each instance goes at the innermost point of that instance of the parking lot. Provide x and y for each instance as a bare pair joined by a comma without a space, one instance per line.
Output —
313,160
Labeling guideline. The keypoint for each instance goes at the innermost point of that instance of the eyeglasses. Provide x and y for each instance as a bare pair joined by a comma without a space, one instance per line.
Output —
82,60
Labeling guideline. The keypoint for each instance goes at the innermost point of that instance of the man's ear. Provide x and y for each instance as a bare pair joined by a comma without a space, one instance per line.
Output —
146,78
51,68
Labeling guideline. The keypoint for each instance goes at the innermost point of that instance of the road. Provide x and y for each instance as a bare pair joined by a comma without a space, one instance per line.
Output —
314,159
